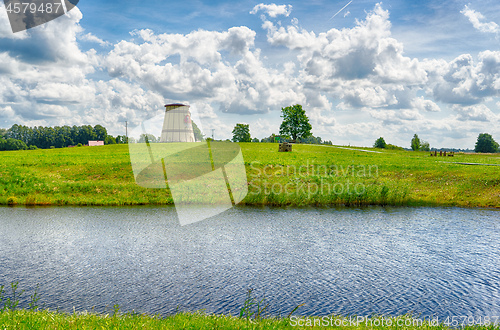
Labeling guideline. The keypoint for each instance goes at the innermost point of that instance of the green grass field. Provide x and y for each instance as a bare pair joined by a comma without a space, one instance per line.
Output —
310,175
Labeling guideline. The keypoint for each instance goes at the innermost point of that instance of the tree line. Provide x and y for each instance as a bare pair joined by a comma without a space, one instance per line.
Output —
484,144
20,137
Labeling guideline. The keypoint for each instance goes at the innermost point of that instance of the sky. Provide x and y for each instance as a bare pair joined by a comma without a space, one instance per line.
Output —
360,69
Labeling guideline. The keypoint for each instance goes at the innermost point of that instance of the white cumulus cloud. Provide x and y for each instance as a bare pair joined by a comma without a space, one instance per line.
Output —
477,19
272,10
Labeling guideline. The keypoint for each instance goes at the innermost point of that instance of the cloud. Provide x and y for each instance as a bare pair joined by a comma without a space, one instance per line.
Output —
478,112
92,38
476,19
272,10
201,74
363,66
465,81
46,79
425,105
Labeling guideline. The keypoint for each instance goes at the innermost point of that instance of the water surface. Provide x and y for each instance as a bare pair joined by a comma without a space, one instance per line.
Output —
432,261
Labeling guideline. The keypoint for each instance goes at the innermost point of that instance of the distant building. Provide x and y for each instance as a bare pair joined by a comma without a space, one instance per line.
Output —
177,125
96,143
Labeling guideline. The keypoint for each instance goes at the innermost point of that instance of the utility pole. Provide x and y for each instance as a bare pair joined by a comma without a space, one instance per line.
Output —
213,129
126,130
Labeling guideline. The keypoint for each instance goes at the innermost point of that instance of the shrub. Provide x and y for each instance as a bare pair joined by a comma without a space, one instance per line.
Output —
393,147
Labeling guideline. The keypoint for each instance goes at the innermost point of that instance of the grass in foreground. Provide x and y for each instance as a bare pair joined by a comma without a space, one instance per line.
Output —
309,175
24,319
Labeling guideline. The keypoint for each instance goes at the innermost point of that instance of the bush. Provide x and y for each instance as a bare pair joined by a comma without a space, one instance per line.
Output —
79,145
393,147
32,147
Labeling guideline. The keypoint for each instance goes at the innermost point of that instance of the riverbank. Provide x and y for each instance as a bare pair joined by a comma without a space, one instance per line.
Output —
309,175
26,319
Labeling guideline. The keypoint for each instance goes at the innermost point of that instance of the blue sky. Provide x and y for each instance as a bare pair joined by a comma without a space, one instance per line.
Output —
391,69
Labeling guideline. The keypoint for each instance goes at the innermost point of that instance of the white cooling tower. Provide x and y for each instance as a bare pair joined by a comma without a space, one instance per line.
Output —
177,126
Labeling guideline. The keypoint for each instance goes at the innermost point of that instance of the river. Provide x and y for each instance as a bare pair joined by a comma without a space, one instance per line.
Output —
429,261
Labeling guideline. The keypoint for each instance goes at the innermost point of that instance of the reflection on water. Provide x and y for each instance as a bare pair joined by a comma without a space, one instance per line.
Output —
433,261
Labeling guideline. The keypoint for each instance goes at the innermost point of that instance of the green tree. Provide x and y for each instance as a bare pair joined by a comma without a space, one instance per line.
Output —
425,146
485,143
295,122
109,140
241,133
415,143
100,132
3,133
121,139
270,139
311,140
12,144
86,133
380,143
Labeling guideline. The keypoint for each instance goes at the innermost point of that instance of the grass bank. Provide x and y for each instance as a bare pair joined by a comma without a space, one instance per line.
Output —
27,319
310,175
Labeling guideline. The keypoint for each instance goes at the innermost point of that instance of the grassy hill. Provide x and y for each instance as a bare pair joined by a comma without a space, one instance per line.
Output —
310,175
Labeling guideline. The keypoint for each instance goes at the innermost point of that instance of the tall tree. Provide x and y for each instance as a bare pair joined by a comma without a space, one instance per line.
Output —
87,134
241,133
100,132
295,122
380,143
485,143
415,143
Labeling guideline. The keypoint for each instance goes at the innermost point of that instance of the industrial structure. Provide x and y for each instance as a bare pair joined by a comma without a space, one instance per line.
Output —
177,125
